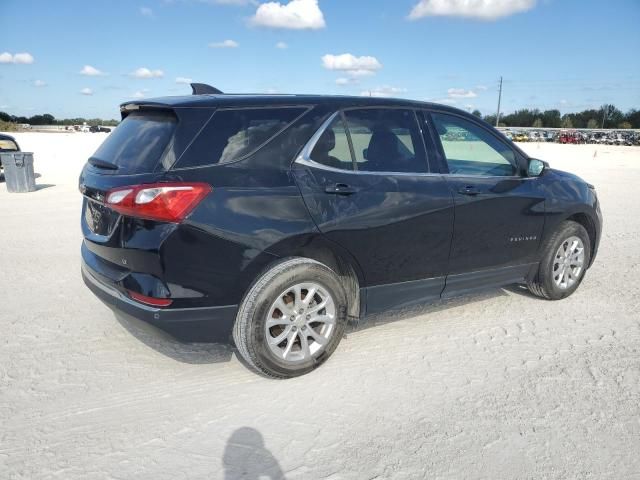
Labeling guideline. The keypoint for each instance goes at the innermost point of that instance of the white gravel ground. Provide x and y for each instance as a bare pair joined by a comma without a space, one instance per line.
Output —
498,385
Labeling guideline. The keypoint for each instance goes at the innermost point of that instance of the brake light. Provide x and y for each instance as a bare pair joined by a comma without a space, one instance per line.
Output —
165,202
153,301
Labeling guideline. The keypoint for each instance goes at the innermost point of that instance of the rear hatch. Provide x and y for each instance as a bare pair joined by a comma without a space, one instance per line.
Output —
132,154
123,249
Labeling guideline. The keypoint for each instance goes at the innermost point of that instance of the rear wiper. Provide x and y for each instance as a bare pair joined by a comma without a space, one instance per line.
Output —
96,162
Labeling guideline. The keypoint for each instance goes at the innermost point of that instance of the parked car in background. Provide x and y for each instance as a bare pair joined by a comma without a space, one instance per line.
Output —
520,137
281,219
8,144
99,129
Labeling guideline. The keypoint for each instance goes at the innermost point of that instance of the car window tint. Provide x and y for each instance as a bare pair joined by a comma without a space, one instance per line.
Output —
471,150
386,140
332,148
234,134
138,143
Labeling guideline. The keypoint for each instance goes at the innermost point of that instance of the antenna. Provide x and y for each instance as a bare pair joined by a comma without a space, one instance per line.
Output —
204,89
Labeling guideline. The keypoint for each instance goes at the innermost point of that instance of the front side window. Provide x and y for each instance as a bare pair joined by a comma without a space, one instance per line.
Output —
235,133
386,140
471,150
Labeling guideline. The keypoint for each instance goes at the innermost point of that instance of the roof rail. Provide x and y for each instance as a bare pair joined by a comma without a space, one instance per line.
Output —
204,89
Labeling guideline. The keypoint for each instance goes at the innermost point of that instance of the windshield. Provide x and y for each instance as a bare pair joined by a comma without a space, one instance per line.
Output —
138,143
8,145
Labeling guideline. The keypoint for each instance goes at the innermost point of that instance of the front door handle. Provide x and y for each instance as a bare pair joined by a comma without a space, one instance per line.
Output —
340,189
468,190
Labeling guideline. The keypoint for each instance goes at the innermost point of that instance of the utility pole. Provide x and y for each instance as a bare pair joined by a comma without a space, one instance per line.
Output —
499,98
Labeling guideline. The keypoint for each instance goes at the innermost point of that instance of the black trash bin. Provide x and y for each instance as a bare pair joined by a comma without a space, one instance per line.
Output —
18,171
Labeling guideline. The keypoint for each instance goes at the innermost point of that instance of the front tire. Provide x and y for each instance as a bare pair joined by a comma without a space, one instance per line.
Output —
291,319
564,262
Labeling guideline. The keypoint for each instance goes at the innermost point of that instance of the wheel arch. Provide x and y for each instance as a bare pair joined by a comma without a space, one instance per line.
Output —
589,225
322,250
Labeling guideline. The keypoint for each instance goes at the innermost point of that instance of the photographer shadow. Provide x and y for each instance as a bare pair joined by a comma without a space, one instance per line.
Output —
246,457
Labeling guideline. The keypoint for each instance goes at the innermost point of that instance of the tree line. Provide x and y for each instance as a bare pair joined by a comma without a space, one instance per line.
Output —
607,116
48,119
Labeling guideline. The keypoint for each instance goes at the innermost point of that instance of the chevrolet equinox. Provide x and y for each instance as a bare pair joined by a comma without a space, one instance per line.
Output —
281,219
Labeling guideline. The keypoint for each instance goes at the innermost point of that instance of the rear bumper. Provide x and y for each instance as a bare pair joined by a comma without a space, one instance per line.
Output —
189,324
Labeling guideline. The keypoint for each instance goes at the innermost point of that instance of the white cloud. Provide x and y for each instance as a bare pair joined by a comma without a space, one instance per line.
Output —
344,81
24,58
224,44
146,12
144,72
478,9
139,94
352,65
86,91
461,93
295,15
452,101
90,71
481,87
281,45
385,91
39,83
184,80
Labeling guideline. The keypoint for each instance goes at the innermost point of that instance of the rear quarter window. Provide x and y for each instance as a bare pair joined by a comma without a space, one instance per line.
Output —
232,134
138,143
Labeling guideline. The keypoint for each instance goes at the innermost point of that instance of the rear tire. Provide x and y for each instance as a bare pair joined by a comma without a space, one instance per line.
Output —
564,262
291,319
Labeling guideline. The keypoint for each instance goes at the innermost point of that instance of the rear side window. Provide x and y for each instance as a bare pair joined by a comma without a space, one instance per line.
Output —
232,134
332,148
386,140
137,144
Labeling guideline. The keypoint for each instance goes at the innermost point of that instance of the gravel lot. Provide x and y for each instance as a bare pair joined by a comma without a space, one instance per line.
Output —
497,385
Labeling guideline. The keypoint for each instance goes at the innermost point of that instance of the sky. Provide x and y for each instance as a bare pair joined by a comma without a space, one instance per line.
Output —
74,58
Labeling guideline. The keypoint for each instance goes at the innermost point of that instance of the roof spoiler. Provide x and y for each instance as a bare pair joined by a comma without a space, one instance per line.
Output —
204,89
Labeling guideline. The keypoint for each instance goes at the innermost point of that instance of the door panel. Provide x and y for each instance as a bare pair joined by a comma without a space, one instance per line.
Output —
500,225
398,227
357,182
499,215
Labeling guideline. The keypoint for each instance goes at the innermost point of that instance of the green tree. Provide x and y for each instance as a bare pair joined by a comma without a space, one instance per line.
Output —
477,113
537,123
592,123
624,124
566,122
551,118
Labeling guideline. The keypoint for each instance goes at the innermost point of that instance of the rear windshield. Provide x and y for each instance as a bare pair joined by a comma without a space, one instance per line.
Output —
235,133
137,144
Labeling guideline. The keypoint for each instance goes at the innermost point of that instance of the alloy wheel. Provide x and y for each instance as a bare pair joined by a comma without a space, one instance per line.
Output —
568,263
301,322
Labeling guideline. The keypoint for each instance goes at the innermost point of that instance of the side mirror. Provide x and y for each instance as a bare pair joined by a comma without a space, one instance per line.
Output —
536,167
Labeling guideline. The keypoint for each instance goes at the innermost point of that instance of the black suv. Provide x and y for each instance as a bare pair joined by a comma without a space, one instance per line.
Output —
281,219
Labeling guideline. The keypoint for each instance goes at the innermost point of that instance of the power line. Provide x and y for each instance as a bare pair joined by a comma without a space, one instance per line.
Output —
499,98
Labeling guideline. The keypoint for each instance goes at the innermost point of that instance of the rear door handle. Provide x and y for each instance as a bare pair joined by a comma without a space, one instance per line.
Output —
468,190
340,189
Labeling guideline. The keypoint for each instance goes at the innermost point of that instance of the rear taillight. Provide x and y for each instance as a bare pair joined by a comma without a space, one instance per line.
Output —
153,301
165,202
